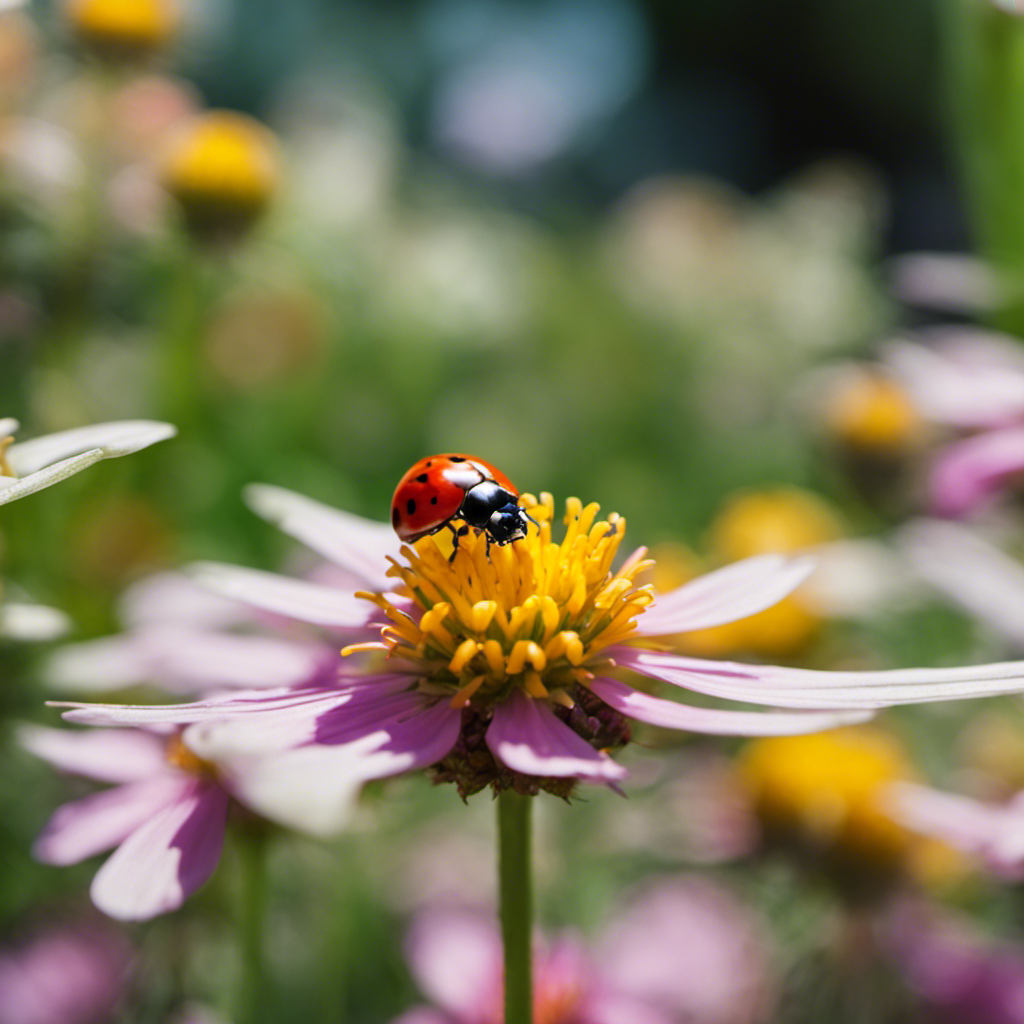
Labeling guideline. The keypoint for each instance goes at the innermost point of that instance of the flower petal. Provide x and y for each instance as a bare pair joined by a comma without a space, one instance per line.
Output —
728,594
121,437
34,461
172,597
167,859
109,755
773,685
96,823
970,571
32,622
284,595
966,377
212,708
526,736
672,715
970,473
455,957
994,832
360,545
96,666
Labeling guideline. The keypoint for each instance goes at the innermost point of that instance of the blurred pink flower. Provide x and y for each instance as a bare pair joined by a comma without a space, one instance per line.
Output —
962,976
972,381
943,281
69,974
647,969
370,724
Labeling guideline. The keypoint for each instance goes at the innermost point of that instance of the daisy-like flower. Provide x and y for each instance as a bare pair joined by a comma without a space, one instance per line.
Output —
511,670
971,381
645,969
165,815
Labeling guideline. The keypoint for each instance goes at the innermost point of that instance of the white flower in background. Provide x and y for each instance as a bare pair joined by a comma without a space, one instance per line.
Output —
30,466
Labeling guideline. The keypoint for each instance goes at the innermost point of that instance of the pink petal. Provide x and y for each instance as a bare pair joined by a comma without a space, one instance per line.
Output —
525,735
969,378
110,755
728,594
425,1015
160,864
98,822
945,282
174,597
96,666
360,545
283,595
212,708
776,686
994,832
981,578
455,956
188,660
673,715
970,473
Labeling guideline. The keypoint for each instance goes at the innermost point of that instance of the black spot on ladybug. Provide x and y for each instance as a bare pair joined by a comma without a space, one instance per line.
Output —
410,506
456,458
430,462
395,516
423,478
433,500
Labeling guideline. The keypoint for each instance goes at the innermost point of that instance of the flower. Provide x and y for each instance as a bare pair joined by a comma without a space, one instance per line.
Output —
32,465
506,669
166,815
824,798
646,969
972,381
123,28
223,170
68,973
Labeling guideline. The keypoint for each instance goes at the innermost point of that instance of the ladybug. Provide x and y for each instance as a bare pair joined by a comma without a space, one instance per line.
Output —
441,488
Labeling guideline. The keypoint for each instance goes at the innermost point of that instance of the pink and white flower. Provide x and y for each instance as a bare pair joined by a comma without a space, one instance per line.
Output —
971,381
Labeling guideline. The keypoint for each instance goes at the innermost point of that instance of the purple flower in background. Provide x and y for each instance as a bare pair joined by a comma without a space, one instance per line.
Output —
962,977
647,969
504,670
72,973
971,381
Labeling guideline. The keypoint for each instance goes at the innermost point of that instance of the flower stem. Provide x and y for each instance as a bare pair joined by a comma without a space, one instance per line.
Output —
516,895
252,995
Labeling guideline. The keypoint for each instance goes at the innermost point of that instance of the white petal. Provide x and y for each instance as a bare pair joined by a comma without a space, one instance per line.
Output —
735,592
360,545
109,755
174,597
284,595
32,622
8,427
970,571
109,439
96,666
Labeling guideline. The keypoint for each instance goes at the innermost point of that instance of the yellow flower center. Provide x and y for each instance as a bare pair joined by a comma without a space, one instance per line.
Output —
5,467
135,26
873,413
183,758
535,614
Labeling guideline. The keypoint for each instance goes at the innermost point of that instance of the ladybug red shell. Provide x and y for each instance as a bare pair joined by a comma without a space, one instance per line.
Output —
441,488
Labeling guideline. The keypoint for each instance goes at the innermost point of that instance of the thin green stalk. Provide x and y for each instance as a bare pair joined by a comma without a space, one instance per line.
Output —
253,988
179,387
515,874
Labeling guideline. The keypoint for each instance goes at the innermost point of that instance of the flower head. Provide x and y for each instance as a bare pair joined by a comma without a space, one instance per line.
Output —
223,170
123,28
511,670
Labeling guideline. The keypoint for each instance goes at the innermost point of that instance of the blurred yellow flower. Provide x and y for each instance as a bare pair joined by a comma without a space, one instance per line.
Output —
870,412
123,28
223,169
823,798
780,520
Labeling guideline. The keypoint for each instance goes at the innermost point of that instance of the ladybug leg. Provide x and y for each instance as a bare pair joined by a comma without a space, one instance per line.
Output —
461,532
532,520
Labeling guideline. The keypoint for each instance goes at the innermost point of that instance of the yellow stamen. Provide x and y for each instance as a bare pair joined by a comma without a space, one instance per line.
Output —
5,466
533,615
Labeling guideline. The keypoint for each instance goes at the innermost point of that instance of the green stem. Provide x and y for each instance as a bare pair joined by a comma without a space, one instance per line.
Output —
180,384
516,895
253,990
